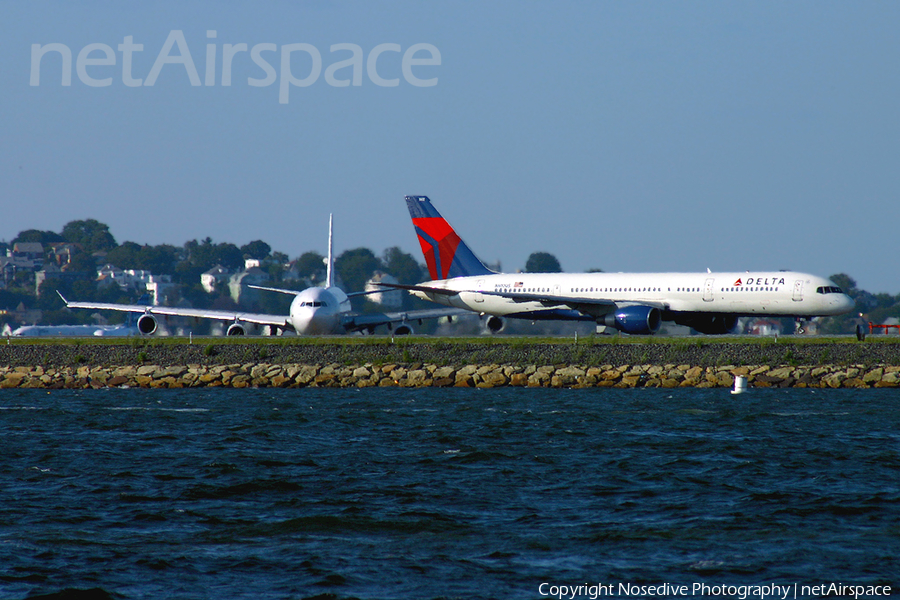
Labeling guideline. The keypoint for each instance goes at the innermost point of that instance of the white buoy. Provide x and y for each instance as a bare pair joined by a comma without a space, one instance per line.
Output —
740,385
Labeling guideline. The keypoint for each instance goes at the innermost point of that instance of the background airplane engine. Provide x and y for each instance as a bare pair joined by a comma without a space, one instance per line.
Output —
495,324
236,329
710,324
404,329
147,324
636,320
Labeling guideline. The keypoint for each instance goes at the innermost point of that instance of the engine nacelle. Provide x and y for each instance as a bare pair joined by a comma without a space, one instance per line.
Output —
636,320
404,329
236,329
147,324
495,324
709,324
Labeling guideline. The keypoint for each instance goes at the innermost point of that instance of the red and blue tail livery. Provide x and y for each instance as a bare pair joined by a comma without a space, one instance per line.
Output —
445,253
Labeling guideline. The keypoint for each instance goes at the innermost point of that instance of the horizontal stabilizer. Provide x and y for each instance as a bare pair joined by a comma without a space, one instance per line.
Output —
421,288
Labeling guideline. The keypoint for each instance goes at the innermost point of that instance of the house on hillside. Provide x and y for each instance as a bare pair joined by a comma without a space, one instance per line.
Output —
214,277
237,284
389,299
61,252
33,251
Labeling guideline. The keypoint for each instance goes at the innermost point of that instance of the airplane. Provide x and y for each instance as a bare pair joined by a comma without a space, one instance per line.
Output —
73,331
634,303
314,311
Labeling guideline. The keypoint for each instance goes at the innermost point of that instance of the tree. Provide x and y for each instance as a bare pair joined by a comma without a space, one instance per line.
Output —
204,256
159,260
124,256
257,249
91,234
542,262
83,263
845,282
310,265
402,266
229,256
34,235
355,267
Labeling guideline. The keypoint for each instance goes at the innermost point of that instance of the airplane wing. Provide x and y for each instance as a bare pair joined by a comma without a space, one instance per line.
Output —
594,307
369,321
199,313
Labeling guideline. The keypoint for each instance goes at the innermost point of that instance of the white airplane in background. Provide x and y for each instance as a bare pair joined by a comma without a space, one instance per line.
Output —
635,303
314,311
74,331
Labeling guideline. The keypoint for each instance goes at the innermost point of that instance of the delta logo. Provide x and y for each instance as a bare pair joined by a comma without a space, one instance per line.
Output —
737,283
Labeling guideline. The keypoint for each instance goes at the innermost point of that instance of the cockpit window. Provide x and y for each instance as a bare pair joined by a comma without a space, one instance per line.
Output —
829,289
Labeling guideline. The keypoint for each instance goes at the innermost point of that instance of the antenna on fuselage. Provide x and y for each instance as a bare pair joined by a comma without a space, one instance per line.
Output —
329,267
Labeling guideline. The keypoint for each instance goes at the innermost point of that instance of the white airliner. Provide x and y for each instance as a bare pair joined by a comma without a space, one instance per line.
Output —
314,311
635,303
74,331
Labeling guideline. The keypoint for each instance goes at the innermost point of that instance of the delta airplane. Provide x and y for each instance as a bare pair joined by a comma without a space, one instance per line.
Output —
314,311
635,303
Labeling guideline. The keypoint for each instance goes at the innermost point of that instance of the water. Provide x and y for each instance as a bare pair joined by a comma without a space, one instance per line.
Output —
432,493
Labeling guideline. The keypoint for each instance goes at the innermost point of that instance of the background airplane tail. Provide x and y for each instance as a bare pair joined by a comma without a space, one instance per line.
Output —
329,262
445,253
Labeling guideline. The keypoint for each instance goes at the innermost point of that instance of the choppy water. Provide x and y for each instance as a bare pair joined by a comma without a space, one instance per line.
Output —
434,493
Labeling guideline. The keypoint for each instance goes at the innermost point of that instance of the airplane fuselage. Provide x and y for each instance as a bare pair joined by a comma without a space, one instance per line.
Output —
781,293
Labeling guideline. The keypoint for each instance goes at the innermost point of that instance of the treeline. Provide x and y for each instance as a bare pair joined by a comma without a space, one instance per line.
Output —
95,246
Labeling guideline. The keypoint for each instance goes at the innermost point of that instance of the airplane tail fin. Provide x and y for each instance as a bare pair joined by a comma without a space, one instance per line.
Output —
329,265
446,255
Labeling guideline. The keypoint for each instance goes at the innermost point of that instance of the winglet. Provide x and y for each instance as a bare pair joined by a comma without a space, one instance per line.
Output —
445,253
66,302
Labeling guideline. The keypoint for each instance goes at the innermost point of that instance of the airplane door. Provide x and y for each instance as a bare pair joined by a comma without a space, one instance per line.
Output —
478,296
798,290
708,290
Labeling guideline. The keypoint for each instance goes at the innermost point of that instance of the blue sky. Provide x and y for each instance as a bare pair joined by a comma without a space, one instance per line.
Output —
625,136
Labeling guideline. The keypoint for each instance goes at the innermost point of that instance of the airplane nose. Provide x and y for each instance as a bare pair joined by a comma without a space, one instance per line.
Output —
301,320
847,303
313,321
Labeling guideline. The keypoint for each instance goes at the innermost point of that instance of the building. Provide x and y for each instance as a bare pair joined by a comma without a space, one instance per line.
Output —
209,280
160,287
390,299
237,284
30,250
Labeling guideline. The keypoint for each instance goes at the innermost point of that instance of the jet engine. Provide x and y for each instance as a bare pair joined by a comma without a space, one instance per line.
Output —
236,329
636,320
709,324
147,324
404,329
495,324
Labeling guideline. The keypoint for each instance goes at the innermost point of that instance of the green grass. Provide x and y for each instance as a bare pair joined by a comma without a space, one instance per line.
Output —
449,342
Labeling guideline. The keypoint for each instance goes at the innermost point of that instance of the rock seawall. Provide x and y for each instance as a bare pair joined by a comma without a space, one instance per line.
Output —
431,375
449,364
